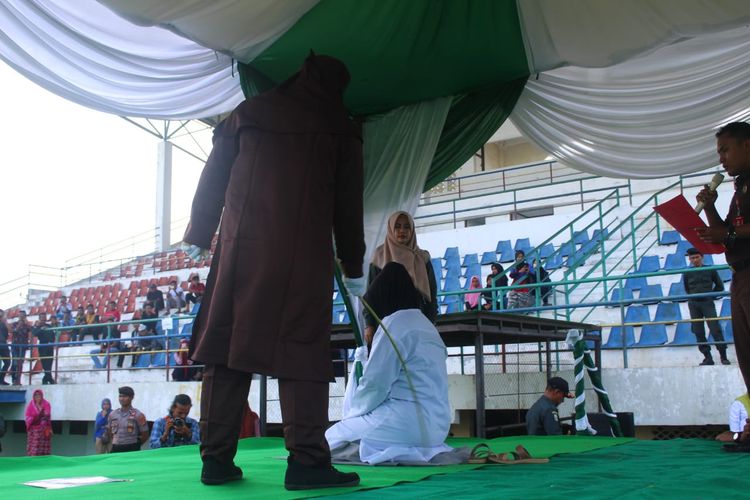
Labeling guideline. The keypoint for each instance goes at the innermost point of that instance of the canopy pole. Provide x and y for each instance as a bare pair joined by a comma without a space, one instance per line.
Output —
163,195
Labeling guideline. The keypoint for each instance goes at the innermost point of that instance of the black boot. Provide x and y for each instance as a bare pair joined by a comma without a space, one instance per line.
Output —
309,477
707,361
215,472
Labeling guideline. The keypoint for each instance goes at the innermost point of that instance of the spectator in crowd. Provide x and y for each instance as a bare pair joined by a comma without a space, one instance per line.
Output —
68,320
45,337
79,319
176,429
701,308
520,257
390,414
156,297
196,289
733,146
520,297
63,307
100,424
38,425
540,273
4,348
472,300
90,318
111,313
542,419
107,350
175,298
185,371
127,428
495,279
21,343
150,328
401,246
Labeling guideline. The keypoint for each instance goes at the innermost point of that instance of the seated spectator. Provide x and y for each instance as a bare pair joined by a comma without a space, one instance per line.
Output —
494,280
542,418
175,298
543,291
401,246
107,349
63,307
80,319
176,429
67,320
520,297
185,370
45,337
471,300
156,297
383,418
111,314
196,289
90,318
148,330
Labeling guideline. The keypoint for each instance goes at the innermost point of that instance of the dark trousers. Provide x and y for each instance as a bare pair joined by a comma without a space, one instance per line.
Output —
5,361
120,448
706,309
740,290
304,413
46,354
16,369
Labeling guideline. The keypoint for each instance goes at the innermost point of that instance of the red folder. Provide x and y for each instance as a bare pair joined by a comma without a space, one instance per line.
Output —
683,218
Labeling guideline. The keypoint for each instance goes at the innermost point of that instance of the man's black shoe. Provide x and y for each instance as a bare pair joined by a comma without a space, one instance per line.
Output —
215,472
725,361
707,362
303,477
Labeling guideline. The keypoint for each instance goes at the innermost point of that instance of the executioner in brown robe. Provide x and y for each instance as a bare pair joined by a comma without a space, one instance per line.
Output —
284,174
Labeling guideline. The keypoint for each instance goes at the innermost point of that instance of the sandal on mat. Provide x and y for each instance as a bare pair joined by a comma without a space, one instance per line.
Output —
480,454
520,456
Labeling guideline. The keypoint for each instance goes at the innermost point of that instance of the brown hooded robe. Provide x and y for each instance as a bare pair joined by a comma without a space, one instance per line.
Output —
286,169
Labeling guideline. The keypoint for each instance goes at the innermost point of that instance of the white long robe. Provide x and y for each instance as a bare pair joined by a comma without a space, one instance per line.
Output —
392,422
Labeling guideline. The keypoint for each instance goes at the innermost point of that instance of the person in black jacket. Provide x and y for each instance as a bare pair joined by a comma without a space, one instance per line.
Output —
495,279
401,246
46,336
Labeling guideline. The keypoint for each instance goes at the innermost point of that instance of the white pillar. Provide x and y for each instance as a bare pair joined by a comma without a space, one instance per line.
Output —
163,195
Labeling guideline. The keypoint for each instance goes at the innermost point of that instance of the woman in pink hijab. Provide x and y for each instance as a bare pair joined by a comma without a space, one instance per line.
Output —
472,299
38,425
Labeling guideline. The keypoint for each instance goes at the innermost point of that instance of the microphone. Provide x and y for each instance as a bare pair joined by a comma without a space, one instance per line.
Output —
715,181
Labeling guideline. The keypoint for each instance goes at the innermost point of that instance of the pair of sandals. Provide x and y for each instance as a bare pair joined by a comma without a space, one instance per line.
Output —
482,454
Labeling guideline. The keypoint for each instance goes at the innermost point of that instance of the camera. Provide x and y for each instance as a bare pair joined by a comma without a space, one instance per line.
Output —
178,422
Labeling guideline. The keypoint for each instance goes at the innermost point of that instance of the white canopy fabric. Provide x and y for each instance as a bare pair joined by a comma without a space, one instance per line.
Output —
650,116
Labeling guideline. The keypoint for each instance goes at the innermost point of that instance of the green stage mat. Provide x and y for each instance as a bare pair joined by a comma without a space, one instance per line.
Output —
174,472
680,468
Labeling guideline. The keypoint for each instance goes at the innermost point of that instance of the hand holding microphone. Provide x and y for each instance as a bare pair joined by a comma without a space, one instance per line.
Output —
708,194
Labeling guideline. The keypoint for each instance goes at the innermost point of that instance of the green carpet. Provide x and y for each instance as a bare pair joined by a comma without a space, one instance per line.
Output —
175,472
680,468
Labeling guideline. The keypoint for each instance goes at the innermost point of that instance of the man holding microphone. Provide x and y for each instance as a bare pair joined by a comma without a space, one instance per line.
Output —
733,146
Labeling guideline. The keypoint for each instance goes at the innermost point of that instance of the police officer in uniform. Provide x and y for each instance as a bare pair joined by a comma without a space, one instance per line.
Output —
542,418
126,428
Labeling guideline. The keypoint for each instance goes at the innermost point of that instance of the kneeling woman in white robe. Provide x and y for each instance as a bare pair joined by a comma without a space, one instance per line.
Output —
391,421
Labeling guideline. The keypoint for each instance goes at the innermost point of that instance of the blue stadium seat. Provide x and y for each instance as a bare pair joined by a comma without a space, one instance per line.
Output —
652,335
592,246
144,361
637,314
725,275
451,252
726,308
452,261
580,237
708,260
159,359
522,244
676,289
651,292
453,271
616,335
576,259
187,328
195,308
683,335
488,258
726,329
600,234
554,262
546,250
469,259
674,261
567,249
649,264
505,250
619,294
682,247
451,285
669,237
668,311
636,283
454,307
437,263
336,316
474,270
